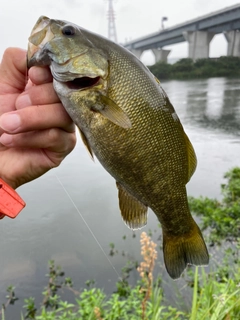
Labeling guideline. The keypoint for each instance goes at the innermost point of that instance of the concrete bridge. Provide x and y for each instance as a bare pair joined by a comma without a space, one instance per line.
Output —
197,32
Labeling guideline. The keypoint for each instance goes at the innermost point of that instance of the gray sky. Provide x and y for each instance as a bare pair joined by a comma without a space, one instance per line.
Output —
134,18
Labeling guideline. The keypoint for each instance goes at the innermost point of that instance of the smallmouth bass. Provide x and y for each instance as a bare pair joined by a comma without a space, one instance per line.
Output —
127,121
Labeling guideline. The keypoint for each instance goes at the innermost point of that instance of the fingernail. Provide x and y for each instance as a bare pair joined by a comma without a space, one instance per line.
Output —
23,101
10,122
6,139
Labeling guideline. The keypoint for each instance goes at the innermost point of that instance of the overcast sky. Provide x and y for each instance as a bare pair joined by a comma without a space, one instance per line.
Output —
134,18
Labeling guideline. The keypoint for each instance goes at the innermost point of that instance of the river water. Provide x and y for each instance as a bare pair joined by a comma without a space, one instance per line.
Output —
79,196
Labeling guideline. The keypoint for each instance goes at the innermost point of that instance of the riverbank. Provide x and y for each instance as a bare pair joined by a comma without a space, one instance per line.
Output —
201,68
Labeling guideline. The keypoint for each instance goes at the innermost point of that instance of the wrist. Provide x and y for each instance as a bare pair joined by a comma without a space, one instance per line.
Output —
9,182
10,202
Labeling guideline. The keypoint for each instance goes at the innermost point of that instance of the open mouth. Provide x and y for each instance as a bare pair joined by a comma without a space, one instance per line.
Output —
82,83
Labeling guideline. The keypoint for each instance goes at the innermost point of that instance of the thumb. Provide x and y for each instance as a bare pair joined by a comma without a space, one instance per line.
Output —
13,71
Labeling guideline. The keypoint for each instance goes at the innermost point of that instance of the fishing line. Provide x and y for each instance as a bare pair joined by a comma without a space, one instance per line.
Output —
89,229
85,222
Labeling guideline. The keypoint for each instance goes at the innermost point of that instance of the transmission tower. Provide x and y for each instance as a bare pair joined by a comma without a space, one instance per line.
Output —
112,33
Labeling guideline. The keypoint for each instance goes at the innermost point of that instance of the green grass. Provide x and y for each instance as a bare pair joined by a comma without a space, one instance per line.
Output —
214,300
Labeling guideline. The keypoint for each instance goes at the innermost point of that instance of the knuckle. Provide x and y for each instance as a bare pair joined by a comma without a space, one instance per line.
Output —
54,135
72,140
62,141
69,143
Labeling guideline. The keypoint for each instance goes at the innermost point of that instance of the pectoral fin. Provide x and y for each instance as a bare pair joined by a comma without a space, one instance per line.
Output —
86,144
134,213
110,110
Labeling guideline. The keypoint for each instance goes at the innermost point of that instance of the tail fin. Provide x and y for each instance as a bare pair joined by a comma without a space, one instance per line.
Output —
179,251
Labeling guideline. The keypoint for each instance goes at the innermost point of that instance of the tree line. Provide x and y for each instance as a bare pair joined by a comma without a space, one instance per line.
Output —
225,66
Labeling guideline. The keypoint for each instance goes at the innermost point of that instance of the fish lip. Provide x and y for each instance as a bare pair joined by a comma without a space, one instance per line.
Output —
42,58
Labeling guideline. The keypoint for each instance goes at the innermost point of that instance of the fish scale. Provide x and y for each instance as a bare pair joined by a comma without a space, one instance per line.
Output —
127,121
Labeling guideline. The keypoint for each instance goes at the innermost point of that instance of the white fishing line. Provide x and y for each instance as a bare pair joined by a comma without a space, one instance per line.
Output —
89,229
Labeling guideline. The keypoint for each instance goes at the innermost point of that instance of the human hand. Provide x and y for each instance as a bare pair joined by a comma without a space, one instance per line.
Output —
36,133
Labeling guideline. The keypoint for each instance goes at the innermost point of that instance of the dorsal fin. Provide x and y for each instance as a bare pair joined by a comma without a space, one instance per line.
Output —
134,212
192,159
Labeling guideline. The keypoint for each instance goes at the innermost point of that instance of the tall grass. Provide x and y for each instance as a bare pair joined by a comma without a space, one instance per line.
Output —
213,300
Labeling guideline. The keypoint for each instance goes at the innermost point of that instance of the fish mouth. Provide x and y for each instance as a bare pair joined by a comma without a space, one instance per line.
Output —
83,83
73,80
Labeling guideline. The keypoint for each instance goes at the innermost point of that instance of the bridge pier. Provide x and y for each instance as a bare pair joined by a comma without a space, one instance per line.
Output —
161,54
233,39
198,43
137,52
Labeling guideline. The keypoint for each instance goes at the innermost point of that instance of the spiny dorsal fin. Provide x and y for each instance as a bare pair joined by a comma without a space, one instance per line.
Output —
157,80
110,110
134,212
192,159
86,143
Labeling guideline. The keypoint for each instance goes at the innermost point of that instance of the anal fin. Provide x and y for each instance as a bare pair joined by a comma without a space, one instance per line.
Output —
134,212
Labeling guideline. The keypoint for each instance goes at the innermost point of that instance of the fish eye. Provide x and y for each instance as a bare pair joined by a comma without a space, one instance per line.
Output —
68,31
